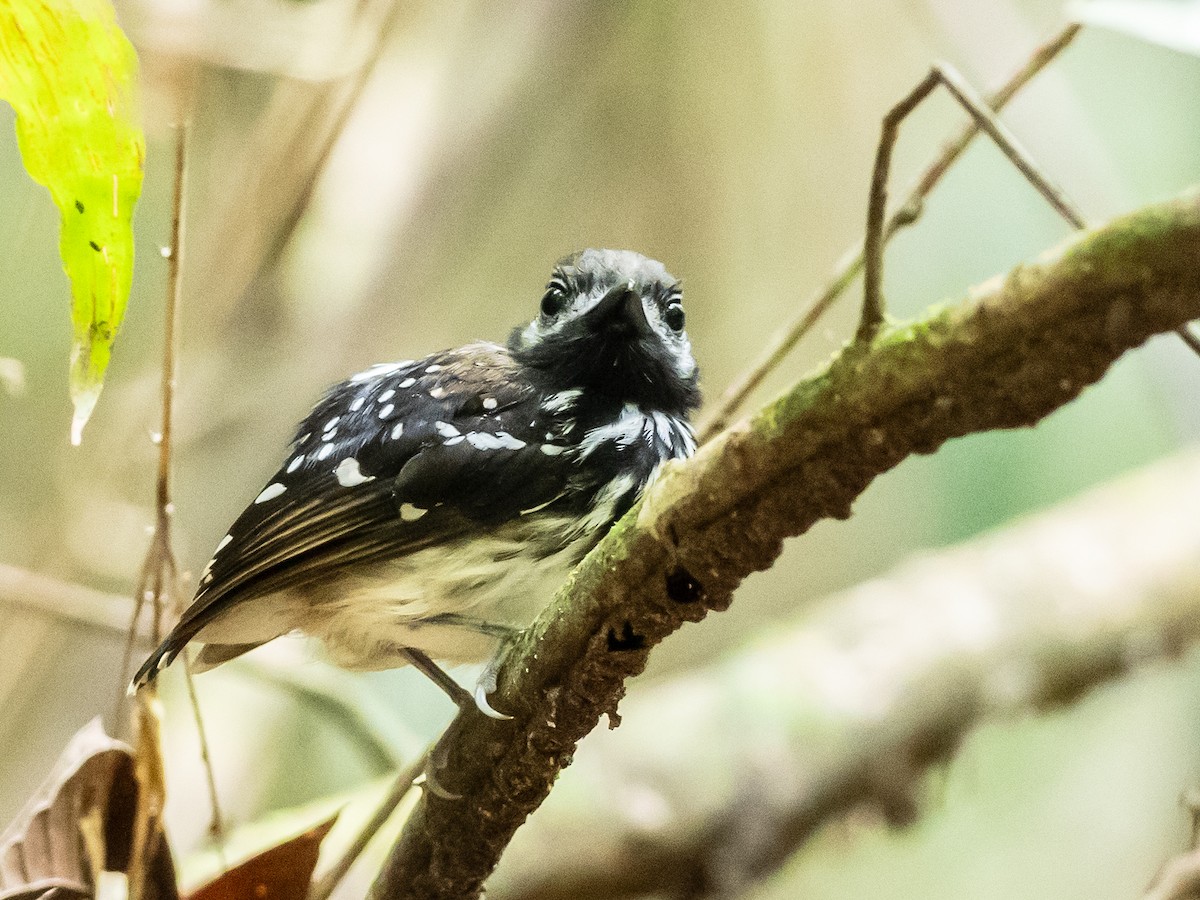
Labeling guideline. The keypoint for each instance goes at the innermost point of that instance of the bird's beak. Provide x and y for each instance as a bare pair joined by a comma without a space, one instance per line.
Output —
621,311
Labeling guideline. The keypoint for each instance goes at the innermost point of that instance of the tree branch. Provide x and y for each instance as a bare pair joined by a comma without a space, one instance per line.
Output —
1016,350
851,705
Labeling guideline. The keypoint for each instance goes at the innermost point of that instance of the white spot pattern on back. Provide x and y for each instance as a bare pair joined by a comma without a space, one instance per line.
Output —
349,474
410,513
270,492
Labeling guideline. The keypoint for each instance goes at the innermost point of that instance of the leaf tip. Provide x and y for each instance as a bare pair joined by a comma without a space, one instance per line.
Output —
85,402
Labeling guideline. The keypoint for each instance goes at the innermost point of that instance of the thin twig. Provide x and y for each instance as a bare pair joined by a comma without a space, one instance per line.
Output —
852,260
323,887
872,308
987,122
175,278
158,584
1188,338
216,825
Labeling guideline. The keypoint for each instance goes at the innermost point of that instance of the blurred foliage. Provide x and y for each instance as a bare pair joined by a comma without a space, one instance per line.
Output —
70,74
1171,23
734,142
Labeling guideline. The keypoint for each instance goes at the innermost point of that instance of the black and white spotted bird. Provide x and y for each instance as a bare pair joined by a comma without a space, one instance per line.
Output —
430,508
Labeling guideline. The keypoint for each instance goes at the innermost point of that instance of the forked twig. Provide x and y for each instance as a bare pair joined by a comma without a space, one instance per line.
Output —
986,121
852,260
175,277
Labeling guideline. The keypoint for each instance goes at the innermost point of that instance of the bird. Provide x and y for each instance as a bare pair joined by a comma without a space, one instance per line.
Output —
429,509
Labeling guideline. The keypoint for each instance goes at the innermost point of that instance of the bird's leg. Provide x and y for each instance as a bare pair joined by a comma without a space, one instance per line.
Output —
487,678
431,670
440,751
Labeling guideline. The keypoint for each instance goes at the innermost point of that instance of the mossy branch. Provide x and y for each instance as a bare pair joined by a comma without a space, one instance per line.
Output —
848,707
1015,350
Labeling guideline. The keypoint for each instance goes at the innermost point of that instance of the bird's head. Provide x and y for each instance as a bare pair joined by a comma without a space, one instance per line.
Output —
611,323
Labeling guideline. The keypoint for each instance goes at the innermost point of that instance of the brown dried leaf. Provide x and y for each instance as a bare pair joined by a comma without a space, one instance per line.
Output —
92,791
283,872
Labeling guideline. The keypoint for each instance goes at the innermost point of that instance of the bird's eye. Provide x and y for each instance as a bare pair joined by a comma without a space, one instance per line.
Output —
553,301
674,316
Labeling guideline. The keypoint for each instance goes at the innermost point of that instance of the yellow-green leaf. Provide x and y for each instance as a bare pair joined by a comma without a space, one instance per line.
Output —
70,74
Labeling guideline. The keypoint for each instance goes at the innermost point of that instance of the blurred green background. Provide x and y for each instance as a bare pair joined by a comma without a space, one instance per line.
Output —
732,141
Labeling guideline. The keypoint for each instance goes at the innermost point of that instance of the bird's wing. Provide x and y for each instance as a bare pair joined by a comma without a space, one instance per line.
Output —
399,457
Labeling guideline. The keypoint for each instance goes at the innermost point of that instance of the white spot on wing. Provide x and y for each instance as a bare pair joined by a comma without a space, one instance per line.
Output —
482,440
332,423
408,382
387,411
489,402
297,461
270,492
429,370
398,430
357,404
437,393
387,395
410,513
225,542
508,442
553,449
325,450
445,429
349,474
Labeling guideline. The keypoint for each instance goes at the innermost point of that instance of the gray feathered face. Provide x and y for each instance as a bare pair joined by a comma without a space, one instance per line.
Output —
612,322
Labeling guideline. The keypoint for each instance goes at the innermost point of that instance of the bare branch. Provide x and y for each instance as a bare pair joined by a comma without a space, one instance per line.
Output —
851,263
986,121
1016,350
